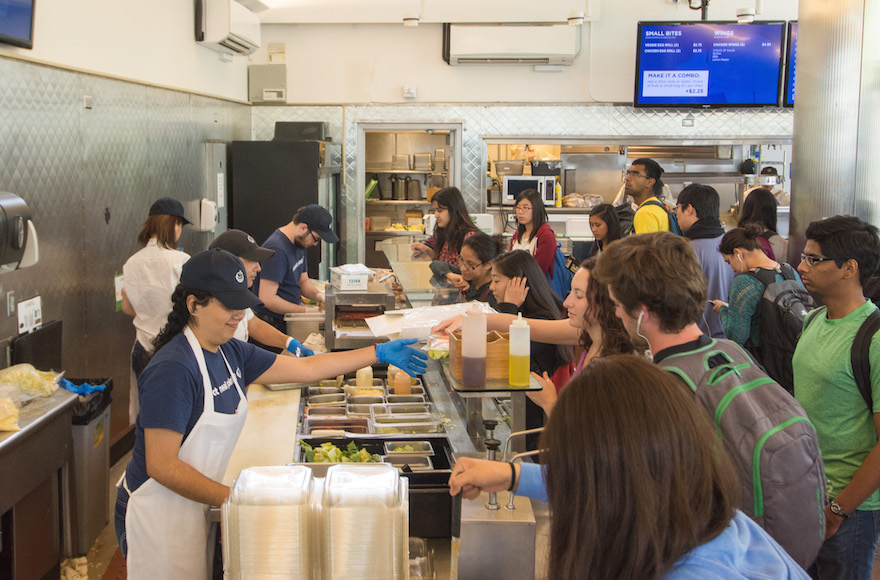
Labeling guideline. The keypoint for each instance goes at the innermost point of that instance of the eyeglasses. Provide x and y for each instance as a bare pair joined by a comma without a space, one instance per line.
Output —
813,260
468,265
522,208
635,174
681,206
316,239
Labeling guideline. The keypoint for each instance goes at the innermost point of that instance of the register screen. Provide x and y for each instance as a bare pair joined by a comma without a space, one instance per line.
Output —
706,64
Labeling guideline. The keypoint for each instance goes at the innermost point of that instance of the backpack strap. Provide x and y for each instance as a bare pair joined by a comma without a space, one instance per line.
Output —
860,357
812,315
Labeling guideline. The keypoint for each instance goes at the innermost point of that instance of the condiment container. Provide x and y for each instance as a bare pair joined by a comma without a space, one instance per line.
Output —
519,355
364,377
473,348
402,384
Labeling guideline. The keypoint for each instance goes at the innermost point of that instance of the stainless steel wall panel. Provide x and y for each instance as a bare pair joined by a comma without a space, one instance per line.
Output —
867,203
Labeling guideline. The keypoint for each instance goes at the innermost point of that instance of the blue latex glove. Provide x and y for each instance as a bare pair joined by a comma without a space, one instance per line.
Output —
297,348
397,353
83,389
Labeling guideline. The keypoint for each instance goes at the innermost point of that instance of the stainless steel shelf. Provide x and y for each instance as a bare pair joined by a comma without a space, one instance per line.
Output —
397,202
406,171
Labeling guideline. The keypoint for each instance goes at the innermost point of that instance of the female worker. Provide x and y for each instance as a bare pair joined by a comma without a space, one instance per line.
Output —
637,484
454,224
149,278
534,234
605,227
193,409
475,266
760,208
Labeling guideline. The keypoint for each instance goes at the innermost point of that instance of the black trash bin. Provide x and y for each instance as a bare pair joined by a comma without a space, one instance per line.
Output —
91,458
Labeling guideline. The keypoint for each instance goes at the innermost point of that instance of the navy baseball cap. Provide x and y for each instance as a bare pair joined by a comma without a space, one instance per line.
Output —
319,220
168,206
222,274
240,244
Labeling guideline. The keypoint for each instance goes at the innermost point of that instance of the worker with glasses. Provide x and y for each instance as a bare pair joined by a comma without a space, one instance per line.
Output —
474,273
642,183
284,279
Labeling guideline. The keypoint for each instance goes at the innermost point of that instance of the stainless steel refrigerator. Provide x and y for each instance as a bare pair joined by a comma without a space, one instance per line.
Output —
271,180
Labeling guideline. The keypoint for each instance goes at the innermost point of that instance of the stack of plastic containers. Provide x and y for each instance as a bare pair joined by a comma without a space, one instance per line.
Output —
364,523
267,523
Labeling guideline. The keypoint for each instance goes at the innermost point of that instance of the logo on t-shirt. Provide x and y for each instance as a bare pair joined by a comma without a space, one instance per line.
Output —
297,265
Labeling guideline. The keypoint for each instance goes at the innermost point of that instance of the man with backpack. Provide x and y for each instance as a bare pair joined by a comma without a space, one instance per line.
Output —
841,254
642,182
659,289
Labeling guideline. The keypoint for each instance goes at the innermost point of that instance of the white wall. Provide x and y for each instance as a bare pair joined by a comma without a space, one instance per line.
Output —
152,42
371,63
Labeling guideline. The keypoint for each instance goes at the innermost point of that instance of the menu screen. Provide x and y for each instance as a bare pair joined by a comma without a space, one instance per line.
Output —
791,61
708,64
17,22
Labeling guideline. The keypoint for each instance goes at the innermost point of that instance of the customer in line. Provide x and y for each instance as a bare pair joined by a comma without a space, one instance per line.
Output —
760,208
642,182
840,256
149,278
454,225
475,268
605,227
533,234
193,408
636,482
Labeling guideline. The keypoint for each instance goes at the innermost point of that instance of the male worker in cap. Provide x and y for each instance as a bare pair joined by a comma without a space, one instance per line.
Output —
243,246
770,180
642,183
284,278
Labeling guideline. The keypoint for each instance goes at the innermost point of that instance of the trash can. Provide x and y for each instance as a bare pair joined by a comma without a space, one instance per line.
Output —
91,460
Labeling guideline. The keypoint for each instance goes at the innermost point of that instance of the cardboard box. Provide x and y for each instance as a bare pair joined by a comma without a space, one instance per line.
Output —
342,280
497,355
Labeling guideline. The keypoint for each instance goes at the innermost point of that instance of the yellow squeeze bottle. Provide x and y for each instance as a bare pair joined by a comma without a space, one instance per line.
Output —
519,355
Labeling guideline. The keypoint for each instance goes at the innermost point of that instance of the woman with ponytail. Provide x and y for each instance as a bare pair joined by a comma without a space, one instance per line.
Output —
193,409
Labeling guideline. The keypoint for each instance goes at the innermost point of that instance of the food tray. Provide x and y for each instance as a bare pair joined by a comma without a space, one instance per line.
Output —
377,383
325,411
398,409
355,410
359,425
288,386
363,391
319,390
415,423
413,462
365,400
414,390
404,399
338,400
408,448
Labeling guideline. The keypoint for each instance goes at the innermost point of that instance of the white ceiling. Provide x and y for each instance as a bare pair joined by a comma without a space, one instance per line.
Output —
428,11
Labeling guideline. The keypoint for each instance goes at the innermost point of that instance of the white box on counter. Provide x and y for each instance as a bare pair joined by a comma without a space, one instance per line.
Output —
343,280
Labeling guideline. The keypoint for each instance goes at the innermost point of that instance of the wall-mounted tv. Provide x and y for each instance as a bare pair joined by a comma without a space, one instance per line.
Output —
790,64
17,22
709,64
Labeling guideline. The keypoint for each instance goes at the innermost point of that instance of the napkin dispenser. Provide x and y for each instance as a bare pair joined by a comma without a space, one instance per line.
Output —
19,247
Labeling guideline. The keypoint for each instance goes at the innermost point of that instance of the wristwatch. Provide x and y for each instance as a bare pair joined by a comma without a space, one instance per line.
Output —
837,510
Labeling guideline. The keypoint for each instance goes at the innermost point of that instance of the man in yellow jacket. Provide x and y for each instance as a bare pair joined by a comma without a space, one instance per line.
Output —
642,182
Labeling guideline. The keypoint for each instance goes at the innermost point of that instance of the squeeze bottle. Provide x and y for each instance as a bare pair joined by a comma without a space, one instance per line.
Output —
402,384
364,377
519,353
473,348
557,197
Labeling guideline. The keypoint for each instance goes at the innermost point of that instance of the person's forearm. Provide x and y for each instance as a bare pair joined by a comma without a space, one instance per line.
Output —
549,331
865,482
309,290
279,305
263,332
288,369
183,479
127,308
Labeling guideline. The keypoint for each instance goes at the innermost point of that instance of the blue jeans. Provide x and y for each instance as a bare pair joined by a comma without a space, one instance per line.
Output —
119,520
849,554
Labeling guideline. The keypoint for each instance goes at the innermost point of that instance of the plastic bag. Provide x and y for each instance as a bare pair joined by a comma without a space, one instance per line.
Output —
33,383
10,396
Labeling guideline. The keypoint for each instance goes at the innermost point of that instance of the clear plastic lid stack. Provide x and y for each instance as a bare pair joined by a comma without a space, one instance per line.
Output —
365,526
267,521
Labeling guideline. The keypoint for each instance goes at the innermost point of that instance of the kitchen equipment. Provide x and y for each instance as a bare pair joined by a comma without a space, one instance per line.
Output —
380,223
514,185
346,313
430,223
398,187
413,189
514,167
439,159
400,162
301,324
546,167
413,217
422,162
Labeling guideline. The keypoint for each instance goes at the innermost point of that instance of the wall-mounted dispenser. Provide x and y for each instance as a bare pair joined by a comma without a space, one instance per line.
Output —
19,247
204,215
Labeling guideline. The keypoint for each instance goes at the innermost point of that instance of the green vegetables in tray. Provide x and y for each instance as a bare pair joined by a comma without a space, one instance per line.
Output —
329,453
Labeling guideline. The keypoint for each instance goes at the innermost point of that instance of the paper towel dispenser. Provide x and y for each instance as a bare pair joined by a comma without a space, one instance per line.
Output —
19,247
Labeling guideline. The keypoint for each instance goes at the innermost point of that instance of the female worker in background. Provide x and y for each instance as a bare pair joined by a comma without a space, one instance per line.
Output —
534,234
193,409
605,227
454,224
149,279
760,208
475,266
655,495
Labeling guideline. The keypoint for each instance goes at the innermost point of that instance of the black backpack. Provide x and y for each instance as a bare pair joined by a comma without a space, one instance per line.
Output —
625,214
782,309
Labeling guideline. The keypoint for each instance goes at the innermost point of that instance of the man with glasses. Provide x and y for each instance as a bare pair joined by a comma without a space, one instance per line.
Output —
284,278
841,254
642,182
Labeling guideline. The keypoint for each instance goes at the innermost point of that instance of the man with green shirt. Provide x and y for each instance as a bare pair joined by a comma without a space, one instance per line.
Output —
841,254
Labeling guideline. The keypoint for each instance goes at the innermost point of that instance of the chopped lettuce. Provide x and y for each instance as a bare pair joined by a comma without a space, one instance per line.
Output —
329,453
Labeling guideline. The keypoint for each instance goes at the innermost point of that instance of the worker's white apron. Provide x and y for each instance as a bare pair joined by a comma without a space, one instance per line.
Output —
168,535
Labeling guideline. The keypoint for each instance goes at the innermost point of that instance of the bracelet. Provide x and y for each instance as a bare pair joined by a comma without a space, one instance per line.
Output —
512,476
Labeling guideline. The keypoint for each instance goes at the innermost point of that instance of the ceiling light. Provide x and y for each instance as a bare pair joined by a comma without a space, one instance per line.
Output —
411,20
576,19
745,15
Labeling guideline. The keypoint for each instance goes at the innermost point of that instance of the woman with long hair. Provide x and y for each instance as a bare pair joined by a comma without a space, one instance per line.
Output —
637,484
605,227
193,408
149,278
760,208
454,224
533,234
474,274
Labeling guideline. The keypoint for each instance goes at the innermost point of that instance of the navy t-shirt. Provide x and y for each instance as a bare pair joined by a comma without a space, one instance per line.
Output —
285,268
171,390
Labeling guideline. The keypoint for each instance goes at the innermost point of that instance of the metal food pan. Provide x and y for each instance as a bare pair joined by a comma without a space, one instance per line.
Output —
348,424
377,382
414,462
397,409
408,448
405,399
325,411
337,399
321,390
365,400
414,390
359,409
364,391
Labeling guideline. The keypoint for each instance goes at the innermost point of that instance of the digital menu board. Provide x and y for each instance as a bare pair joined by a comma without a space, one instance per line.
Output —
17,22
709,64
790,62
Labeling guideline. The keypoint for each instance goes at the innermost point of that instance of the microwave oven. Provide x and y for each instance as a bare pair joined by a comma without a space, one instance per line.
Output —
513,185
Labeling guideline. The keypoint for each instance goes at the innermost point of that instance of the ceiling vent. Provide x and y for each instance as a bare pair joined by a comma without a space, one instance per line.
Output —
531,44
227,26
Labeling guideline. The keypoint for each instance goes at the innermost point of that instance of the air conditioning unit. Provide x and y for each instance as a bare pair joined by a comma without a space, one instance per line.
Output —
511,44
227,26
